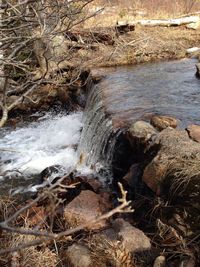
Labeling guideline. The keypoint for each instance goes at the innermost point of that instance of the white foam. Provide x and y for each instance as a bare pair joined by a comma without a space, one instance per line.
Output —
47,142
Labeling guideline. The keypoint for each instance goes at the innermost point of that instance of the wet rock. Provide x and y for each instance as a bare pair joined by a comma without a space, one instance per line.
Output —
78,256
85,208
174,175
194,132
132,238
132,178
141,131
172,144
56,173
94,183
52,173
198,70
162,122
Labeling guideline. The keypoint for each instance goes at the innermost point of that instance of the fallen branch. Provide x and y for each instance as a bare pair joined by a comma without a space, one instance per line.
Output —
124,207
173,22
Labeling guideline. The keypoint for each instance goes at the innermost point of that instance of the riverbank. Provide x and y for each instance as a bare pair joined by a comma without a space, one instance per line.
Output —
80,215
144,44
77,220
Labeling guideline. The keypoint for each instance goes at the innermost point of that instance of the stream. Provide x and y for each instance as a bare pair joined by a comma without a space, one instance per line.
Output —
126,94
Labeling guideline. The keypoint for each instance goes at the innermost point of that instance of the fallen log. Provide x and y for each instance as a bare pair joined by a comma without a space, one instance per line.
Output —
169,22
190,20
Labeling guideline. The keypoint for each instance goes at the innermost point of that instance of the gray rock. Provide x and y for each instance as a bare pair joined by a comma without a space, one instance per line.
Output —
78,256
131,237
141,131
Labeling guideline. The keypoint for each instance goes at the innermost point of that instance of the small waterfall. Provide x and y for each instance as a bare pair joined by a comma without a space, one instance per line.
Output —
98,137
48,141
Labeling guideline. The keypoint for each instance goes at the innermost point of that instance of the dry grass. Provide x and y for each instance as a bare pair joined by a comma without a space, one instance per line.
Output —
184,177
109,253
7,205
139,9
32,256
28,257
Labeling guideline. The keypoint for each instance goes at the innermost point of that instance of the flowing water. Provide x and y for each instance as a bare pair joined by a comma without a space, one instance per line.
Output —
51,140
125,95
170,88
98,136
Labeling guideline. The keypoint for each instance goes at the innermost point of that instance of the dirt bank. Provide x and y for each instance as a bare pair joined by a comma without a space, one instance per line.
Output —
143,45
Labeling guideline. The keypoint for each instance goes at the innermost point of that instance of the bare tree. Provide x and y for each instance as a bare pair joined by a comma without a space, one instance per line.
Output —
34,45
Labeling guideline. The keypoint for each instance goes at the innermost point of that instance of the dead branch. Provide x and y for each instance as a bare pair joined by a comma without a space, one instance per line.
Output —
35,33
48,236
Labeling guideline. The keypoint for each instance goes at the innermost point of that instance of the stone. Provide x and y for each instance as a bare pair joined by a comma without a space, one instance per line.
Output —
85,208
133,239
141,131
132,177
78,256
198,70
194,132
162,122
111,247
94,183
172,144
52,173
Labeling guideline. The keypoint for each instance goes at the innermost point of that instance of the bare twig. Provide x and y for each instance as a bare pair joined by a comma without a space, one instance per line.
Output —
46,236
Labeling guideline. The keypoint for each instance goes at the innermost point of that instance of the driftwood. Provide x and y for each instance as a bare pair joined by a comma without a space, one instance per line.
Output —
189,20
170,22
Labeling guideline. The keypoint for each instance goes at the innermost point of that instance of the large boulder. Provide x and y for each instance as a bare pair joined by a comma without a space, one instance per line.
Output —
172,144
174,175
